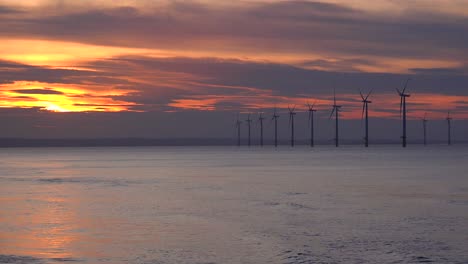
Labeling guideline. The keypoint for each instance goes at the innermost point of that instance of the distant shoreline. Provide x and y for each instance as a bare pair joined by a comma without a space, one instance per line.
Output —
141,142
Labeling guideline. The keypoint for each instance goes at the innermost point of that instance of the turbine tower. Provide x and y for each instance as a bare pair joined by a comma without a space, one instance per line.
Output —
249,122
311,123
403,97
275,118
291,122
365,110
260,120
336,110
424,122
449,127
238,126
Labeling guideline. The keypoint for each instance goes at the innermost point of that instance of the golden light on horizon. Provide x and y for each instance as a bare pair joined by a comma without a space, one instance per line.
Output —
62,98
55,53
55,108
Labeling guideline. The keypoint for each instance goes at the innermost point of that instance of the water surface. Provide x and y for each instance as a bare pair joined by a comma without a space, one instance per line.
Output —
230,205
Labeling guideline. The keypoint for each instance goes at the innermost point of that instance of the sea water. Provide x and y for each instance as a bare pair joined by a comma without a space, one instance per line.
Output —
162,205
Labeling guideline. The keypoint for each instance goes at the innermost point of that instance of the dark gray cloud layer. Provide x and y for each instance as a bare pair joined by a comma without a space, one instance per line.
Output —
208,76
37,91
289,80
5,10
285,27
11,71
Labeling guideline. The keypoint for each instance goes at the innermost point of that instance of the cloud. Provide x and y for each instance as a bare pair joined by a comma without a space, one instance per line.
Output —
6,10
137,83
66,89
237,77
278,30
11,71
170,92
37,91
439,71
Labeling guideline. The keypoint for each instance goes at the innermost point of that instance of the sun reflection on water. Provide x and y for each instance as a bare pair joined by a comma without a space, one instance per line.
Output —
41,224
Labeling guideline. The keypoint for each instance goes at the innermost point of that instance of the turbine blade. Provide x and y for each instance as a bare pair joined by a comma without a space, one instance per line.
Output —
271,120
332,112
310,118
398,91
362,96
406,84
369,93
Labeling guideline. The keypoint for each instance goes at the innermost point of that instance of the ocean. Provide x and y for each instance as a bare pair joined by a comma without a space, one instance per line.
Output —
206,205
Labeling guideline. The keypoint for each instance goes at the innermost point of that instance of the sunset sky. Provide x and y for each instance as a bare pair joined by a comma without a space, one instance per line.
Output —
141,68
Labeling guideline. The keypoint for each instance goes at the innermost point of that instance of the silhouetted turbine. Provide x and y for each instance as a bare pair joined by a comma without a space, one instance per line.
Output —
403,97
424,122
238,126
449,129
336,110
365,110
311,123
249,122
260,119
291,122
275,118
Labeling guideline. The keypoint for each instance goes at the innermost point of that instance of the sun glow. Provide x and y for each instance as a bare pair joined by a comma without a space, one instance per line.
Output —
59,53
55,108
63,97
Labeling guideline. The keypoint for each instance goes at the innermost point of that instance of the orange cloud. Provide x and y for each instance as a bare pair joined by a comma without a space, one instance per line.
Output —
383,106
62,97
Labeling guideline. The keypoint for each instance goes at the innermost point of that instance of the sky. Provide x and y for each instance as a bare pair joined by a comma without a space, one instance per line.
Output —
162,69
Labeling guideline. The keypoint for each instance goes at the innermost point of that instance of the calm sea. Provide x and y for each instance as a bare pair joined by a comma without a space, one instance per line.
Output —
229,205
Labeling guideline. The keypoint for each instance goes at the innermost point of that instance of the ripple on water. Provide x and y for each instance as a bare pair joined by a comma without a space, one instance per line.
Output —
114,182
297,256
421,259
14,259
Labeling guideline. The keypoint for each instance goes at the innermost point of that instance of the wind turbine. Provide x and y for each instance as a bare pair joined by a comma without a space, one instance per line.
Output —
365,109
336,110
449,127
291,122
260,120
424,122
275,117
403,97
311,123
238,126
249,122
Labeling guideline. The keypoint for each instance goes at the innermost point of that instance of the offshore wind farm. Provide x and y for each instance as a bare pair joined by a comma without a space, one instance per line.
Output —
335,113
